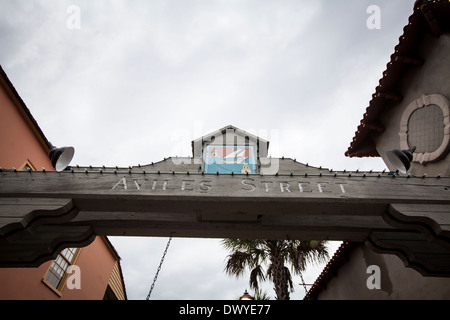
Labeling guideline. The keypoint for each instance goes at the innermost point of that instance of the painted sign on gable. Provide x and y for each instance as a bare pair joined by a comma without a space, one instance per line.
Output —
230,159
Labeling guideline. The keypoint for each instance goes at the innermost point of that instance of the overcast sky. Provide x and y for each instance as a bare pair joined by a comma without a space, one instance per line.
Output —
132,82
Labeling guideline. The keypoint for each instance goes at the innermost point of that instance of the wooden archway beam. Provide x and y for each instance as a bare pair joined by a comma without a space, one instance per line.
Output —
335,206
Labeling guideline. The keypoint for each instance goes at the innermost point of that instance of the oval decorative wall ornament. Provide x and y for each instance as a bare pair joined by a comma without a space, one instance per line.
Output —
426,124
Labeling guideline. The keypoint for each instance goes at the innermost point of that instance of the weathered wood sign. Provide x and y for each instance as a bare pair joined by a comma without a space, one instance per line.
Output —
42,212
374,187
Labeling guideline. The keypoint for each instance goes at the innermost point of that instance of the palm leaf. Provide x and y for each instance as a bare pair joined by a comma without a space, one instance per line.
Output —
255,274
237,263
252,254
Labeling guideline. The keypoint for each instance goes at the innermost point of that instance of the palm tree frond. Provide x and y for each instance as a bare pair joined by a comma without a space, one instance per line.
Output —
276,254
257,273
261,295
236,263
289,279
314,251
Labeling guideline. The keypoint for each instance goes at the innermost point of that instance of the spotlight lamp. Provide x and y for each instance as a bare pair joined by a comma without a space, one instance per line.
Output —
401,159
60,157
246,296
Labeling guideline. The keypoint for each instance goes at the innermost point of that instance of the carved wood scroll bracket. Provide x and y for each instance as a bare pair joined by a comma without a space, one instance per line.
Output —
33,230
421,238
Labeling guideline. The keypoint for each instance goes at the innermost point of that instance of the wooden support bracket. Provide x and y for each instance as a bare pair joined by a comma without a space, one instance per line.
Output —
409,60
431,20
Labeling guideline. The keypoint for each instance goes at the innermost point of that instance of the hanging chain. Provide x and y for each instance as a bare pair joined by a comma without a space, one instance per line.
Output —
159,268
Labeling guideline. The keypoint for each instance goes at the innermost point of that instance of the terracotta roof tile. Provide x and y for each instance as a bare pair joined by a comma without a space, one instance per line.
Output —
429,16
339,258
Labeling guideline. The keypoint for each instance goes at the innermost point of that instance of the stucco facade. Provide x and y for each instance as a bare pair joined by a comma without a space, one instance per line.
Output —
433,77
21,140
410,108
96,264
23,146
347,276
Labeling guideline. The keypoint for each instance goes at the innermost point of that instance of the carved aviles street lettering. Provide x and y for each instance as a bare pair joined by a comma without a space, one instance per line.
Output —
246,185
184,185
251,185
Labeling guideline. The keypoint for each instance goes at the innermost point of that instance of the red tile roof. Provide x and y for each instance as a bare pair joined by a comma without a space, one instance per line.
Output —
340,257
428,17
